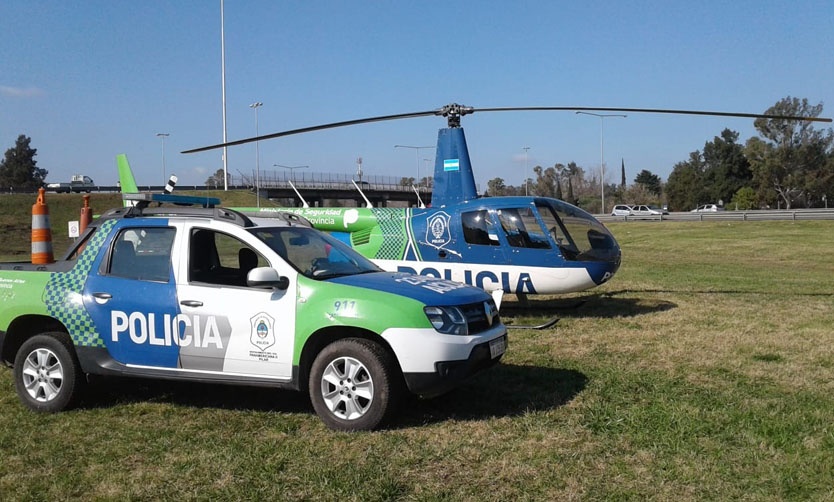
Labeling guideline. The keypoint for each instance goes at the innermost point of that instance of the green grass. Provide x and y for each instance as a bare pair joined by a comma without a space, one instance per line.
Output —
704,370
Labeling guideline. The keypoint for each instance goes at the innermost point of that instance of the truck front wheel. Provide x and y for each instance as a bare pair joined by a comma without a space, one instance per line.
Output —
47,375
354,385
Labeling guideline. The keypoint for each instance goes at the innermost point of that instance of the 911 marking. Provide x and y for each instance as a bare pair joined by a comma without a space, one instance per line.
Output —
172,330
345,306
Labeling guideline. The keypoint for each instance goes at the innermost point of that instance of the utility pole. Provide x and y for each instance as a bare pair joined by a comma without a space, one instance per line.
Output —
255,107
602,153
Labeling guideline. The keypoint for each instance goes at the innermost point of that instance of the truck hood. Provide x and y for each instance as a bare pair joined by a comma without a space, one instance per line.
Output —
427,290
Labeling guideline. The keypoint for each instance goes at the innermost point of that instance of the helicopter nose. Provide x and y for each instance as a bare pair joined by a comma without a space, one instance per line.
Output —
602,271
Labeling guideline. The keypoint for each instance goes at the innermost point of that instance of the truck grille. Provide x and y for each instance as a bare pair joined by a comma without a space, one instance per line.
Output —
480,316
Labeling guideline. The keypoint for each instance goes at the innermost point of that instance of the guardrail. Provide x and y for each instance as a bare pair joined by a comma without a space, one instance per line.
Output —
757,215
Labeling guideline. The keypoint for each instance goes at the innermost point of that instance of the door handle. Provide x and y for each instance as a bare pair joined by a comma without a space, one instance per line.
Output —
101,298
191,303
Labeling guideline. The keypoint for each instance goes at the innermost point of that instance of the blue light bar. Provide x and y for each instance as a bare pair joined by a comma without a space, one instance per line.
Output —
180,200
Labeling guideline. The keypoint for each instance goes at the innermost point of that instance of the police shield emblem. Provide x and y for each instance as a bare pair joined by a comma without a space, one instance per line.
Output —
437,229
262,333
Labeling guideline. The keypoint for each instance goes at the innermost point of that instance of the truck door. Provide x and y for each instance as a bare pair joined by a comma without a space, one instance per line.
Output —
255,326
131,298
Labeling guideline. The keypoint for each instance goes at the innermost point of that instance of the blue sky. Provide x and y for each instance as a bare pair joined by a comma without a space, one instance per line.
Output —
89,80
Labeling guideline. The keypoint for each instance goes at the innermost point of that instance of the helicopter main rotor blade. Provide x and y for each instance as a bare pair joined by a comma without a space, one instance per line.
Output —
454,111
314,128
651,110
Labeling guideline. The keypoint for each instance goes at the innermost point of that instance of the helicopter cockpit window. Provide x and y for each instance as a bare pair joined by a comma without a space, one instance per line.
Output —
579,235
477,228
558,232
522,228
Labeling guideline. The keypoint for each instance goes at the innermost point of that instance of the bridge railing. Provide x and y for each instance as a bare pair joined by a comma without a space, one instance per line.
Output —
324,181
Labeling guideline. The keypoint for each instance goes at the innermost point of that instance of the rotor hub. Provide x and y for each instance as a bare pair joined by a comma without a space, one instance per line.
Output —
453,112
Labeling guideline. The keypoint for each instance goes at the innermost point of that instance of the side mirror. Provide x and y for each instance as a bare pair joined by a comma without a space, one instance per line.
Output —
267,277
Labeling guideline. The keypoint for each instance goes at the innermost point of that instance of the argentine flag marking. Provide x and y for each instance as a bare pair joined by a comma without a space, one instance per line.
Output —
451,165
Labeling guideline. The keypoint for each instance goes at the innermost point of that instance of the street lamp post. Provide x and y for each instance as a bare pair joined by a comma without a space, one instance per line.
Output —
255,107
292,169
602,151
417,151
526,149
163,135
223,91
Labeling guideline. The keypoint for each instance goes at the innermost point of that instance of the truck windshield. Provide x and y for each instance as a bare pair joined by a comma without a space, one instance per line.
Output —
313,253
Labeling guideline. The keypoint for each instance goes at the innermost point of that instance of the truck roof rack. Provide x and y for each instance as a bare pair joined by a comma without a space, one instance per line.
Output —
215,213
195,207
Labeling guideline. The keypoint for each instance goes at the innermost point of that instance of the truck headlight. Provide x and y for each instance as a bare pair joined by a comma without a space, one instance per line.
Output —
447,320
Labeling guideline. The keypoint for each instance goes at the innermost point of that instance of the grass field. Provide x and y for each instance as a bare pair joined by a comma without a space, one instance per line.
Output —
703,370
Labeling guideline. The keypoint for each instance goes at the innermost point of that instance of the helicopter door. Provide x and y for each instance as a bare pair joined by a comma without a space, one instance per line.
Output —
528,240
480,234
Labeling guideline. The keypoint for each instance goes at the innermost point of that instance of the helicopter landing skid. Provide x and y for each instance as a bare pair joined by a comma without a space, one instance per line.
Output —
547,324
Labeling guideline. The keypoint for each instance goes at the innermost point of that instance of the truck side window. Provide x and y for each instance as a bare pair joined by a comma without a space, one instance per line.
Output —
143,254
476,228
218,258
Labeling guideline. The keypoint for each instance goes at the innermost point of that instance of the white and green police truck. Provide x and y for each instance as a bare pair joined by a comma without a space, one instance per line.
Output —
211,295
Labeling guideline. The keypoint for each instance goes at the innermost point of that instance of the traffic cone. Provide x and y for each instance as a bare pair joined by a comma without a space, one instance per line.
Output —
86,215
41,232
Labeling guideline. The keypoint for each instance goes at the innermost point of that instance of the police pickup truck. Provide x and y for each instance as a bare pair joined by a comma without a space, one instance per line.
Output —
208,294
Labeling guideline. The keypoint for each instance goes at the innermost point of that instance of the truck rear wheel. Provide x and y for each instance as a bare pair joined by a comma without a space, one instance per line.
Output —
354,385
47,375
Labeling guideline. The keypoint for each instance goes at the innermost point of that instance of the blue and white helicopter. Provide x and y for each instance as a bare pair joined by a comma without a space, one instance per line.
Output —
522,245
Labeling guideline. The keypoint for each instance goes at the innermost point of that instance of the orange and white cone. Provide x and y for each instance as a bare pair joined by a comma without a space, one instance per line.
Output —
41,232
86,215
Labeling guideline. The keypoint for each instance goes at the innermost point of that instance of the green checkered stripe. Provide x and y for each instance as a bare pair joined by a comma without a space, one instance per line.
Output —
394,239
64,290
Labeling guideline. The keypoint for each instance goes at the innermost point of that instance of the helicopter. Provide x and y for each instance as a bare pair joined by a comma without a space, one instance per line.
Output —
522,245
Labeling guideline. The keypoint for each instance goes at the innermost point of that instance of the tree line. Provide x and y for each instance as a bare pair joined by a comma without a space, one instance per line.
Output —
789,164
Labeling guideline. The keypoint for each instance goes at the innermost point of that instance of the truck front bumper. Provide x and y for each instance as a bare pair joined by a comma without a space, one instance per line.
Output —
434,363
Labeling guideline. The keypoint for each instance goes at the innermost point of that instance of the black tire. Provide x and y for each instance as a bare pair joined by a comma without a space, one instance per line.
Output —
47,375
354,385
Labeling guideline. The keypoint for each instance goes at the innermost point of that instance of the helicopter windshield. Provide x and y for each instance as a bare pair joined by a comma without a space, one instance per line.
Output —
578,234
313,253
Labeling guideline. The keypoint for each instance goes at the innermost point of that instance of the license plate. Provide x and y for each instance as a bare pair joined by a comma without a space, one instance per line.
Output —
497,347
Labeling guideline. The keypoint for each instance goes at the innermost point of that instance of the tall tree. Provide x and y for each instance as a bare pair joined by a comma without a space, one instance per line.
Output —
650,181
216,179
547,181
19,170
791,159
496,187
576,178
623,179
726,168
684,188
559,168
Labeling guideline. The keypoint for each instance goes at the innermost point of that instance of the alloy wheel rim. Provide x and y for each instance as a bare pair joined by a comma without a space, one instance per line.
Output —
347,388
43,375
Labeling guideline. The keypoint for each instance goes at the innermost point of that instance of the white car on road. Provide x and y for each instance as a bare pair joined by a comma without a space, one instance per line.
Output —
621,210
645,211
707,208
